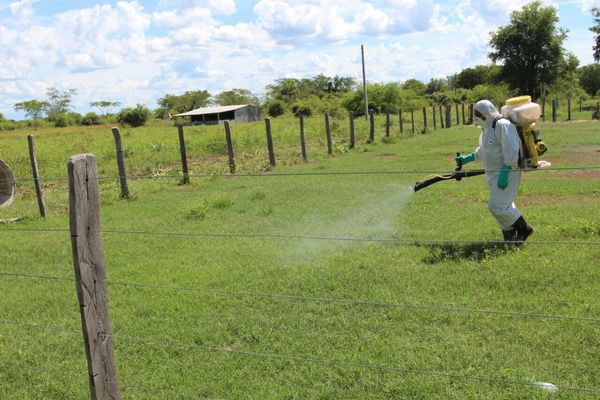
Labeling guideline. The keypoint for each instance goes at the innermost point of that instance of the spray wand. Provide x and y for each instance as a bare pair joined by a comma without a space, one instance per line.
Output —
458,174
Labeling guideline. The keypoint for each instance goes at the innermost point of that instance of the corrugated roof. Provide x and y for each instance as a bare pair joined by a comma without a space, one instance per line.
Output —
210,110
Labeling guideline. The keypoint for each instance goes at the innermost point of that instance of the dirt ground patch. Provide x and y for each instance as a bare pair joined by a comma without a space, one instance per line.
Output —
590,199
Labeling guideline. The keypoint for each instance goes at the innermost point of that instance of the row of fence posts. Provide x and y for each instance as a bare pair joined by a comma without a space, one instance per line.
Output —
555,105
445,121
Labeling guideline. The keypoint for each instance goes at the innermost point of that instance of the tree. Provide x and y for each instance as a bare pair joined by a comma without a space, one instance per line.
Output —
436,85
32,108
415,85
468,78
589,78
236,96
190,100
59,103
596,30
530,47
134,116
105,105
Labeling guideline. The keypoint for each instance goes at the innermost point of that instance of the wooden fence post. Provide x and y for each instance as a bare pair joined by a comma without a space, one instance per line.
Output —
90,277
36,177
457,117
302,142
412,119
434,117
184,165
471,113
270,143
371,126
580,105
441,117
463,113
328,133
448,116
121,163
351,118
401,123
424,119
569,108
229,147
387,123
554,106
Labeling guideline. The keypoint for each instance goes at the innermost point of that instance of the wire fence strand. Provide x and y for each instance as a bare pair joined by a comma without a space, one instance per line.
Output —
292,174
319,238
307,359
336,301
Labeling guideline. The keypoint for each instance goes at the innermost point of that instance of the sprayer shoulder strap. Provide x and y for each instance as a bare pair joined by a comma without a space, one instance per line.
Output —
496,121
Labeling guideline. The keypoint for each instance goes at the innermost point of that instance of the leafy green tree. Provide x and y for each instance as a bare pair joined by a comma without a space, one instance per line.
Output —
530,47
32,108
567,83
59,103
235,97
415,85
468,78
188,101
596,30
589,79
436,85
105,105
90,118
134,116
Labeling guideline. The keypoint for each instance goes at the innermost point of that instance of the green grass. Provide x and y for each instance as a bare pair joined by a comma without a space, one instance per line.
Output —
330,350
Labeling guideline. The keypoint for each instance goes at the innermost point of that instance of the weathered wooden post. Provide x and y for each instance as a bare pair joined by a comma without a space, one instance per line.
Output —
371,126
448,116
424,119
471,113
229,147
121,163
554,110
90,277
401,123
36,177
580,104
387,123
302,141
351,118
441,117
328,134
270,142
184,164
463,113
569,108
457,117
412,119
434,117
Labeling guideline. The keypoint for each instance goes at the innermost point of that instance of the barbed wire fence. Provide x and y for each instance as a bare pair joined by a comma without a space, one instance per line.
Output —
84,214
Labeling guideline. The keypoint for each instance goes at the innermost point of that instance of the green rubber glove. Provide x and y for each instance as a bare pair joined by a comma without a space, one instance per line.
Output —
503,177
462,160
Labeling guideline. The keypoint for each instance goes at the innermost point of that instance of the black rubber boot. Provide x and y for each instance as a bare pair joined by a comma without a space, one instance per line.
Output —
523,229
510,236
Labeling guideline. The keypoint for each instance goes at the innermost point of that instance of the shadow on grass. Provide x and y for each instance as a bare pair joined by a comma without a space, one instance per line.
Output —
466,251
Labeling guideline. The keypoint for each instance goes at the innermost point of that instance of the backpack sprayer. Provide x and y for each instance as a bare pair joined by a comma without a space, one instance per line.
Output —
524,114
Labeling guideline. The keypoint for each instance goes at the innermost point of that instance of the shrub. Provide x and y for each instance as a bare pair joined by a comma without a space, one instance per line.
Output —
90,118
134,116
60,120
275,108
305,110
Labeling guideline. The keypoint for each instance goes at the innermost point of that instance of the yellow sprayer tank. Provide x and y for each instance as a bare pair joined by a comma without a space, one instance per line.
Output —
524,114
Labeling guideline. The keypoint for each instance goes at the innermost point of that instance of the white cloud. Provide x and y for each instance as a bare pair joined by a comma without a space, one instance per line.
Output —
22,9
216,7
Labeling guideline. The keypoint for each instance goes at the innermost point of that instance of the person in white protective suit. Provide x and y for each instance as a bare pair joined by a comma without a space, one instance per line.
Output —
499,150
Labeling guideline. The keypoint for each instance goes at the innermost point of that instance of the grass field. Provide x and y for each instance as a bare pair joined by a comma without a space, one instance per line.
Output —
255,300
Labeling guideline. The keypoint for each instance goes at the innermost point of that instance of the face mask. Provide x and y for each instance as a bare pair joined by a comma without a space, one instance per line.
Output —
479,122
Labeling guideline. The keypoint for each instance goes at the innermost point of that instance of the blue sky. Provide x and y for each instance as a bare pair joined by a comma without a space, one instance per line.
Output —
137,51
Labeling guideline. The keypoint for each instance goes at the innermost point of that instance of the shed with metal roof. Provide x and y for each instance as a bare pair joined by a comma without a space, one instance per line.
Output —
217,115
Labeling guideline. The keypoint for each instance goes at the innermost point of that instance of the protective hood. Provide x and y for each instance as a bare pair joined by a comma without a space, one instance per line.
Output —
488,110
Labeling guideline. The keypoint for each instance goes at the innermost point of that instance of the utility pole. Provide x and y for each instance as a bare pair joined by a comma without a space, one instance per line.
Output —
362,52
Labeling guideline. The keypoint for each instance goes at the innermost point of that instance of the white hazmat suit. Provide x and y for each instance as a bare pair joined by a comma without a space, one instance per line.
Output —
498,146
